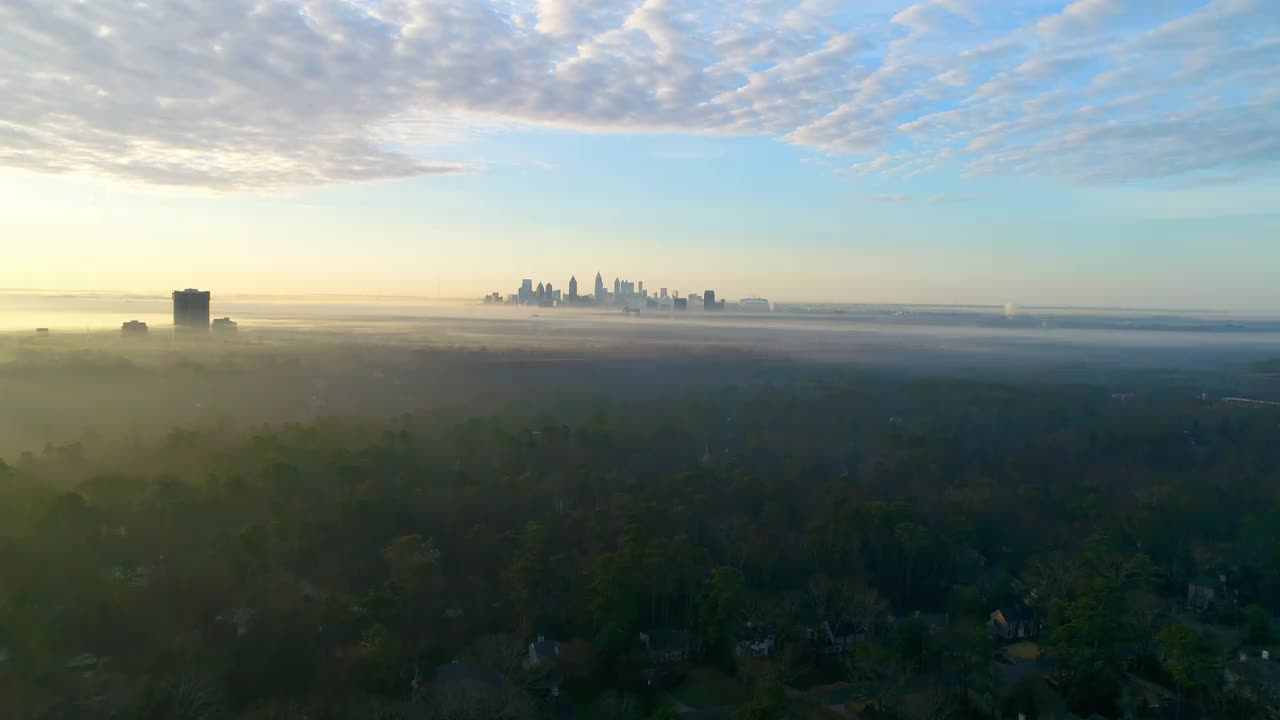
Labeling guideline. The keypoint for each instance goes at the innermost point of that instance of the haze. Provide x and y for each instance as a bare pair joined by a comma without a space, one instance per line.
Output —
639,360
1097,152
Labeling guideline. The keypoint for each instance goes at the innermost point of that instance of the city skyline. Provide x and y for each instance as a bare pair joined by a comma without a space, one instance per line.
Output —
1097,153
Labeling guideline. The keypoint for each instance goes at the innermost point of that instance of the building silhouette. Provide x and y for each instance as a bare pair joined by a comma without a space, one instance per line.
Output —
599,286
526,291
133,328
225,326
573,288
191,310
617,288
709,301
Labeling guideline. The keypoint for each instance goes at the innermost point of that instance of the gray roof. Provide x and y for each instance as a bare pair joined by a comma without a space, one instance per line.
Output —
545,649
461,671
663,640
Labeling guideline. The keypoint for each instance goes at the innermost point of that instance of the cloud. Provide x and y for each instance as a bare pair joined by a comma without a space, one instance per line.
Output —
941,199
259,94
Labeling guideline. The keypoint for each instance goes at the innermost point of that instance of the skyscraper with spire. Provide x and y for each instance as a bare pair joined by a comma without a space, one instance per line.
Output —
573,287
599,286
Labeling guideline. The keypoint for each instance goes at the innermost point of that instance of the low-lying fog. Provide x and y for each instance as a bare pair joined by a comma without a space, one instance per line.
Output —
298,360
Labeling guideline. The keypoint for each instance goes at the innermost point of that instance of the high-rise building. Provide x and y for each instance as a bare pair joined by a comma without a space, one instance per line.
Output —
662,293
617,288
225,326
641,289
573,287
526,291
133,328
599,286
709,301
191,310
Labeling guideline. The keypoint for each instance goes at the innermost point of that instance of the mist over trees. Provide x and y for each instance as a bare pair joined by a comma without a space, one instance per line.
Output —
857,529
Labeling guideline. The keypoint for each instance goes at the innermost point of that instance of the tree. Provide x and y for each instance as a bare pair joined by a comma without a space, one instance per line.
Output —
769,703
721,609
1086,634
1257,624
912,538
879,673
1188,657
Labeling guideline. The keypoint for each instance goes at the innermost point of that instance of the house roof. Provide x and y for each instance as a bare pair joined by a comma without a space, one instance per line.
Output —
544,649
1016,671
1012,614
662,640
933,620
462,671
1206,581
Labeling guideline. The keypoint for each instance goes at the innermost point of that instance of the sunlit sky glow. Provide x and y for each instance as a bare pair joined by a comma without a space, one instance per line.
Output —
1097,152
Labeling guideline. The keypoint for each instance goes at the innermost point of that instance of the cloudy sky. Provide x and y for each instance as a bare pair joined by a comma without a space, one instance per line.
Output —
1096,152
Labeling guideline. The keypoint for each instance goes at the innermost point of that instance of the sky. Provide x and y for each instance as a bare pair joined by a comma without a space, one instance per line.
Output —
1043,152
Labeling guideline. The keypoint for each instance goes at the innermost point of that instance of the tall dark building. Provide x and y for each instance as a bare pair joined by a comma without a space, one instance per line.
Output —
709,301
133,328
573,288
617,288
540,292
191,310
599,286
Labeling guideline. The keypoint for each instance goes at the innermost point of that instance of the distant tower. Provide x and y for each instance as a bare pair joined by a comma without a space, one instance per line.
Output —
641,287
191,310
662,293
225,326
133,328
709,300
599,285
539,292
548,292
617,288
573,288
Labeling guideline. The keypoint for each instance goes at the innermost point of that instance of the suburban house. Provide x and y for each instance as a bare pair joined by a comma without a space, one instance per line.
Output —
935,622
1208,592
1256,678
754,641
666,646
459,672
829,642
542,652
1013,624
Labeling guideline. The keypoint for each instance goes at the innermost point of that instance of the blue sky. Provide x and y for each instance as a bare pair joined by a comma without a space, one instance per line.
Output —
1097,152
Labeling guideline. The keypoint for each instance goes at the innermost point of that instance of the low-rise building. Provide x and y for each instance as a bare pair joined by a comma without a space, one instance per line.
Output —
666,646
1015,623
542,652
225,326
1208,592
